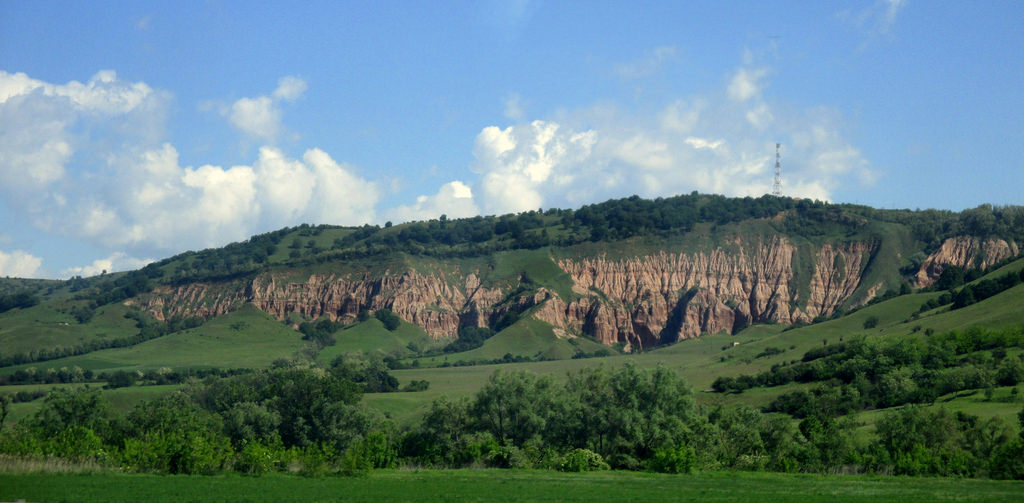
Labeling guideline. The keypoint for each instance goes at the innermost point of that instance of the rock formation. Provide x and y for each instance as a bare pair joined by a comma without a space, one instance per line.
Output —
638,301
966,252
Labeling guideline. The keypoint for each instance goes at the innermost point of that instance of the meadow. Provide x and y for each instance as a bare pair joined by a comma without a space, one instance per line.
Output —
503,485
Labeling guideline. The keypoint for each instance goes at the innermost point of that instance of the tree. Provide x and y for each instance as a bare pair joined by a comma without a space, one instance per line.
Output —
390,320
964,297
67,409
513,406
951,277
5,409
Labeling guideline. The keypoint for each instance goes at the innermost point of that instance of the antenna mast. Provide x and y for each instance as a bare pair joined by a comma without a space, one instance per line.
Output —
777,186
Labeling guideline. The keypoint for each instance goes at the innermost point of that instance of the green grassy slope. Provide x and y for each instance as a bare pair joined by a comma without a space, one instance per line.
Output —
45,326
371,338
247,338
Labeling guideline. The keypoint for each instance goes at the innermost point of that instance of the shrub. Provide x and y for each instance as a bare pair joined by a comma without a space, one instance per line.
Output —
871,322
678,459
582,460
390,320
256,459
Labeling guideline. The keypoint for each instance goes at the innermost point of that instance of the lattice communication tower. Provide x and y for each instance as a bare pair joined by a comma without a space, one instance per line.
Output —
777,186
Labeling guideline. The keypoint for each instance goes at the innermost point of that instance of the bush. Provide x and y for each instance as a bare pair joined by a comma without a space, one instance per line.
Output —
256,459
679,459
582,460
390,320
417,385
871,322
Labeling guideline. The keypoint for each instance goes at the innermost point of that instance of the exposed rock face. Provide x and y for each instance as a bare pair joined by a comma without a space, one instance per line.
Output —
668,297
965,252
425,300
640,301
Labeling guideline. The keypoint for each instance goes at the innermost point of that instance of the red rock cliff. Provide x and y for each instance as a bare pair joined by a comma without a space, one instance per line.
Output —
639,301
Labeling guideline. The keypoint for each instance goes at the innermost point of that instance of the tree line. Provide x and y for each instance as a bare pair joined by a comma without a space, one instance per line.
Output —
309,420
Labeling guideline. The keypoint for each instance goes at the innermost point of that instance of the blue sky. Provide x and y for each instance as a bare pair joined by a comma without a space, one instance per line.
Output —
131,131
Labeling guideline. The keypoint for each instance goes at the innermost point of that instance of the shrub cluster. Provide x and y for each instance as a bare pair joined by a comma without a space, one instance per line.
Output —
864,374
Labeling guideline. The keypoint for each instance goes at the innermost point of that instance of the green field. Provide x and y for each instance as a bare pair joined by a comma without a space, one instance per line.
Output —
504,485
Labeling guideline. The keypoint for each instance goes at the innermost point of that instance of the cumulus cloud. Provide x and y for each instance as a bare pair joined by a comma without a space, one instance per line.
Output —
168,206
723,144
118,261
19,264
129,190
261,116
37,120
519,162
454,200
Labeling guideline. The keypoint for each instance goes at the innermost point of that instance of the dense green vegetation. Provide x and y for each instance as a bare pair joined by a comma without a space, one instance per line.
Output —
308,419
863,374
19,300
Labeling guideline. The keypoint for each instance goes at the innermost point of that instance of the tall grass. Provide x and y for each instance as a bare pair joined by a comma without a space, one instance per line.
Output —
48,464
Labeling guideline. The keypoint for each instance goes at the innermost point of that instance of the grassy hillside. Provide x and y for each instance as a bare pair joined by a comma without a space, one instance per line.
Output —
247,338
49,325
371,338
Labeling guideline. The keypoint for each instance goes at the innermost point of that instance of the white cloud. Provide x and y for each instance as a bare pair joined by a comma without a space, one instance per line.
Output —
19,264
258,117
289,88
454,200
169,206
722,143
519,162
746,83
261,116
37,120
702,143
339,196
117,261
129,191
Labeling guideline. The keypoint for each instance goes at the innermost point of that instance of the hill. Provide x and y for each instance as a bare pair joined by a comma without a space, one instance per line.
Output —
629,274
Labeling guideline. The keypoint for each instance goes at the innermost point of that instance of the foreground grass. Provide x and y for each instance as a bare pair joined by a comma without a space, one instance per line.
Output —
503,485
